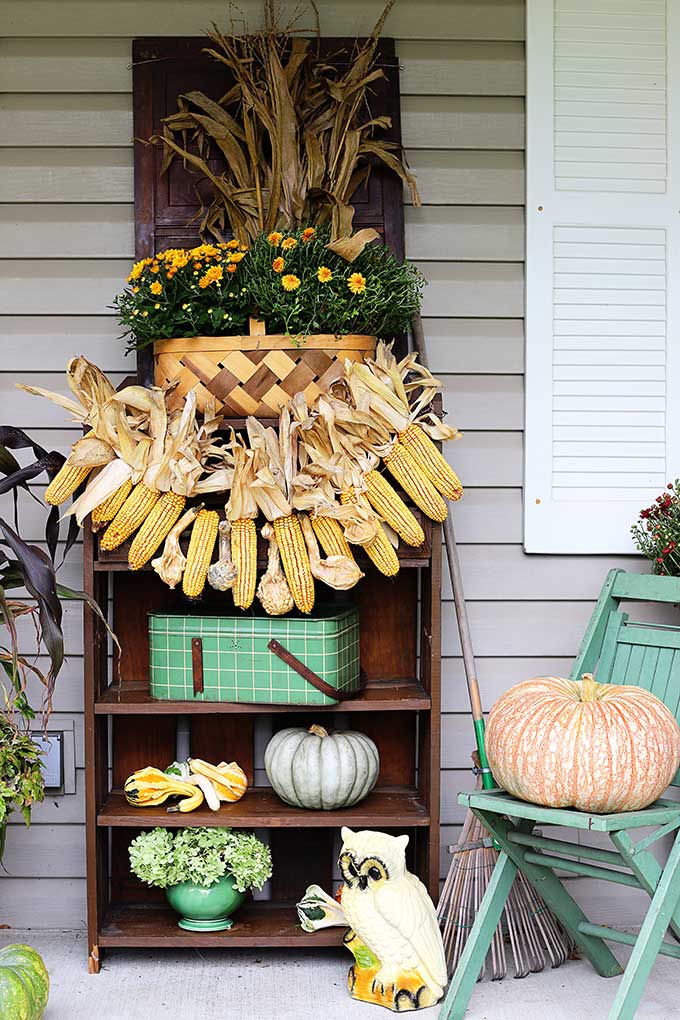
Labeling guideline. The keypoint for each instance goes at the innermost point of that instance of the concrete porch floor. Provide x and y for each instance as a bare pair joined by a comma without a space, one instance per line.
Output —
249,985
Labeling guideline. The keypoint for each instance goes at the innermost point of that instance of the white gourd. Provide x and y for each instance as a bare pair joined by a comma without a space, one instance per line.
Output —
320,770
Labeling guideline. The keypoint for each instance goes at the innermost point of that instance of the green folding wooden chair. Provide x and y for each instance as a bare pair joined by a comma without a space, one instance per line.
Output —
619,650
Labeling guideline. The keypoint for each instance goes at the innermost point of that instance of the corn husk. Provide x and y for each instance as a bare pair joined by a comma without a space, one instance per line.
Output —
241,504
273,591
171,563
222,573
339,572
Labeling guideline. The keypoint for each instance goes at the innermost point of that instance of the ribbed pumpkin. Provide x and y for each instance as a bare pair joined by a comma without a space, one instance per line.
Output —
320,770
24,983
578,743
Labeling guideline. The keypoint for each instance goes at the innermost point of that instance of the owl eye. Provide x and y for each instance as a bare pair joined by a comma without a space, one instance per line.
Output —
374,874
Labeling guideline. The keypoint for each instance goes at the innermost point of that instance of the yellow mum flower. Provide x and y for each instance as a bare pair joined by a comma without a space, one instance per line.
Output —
156,287
289,243
237,256
212,275
290,282
138,269
155,268
357,283
275,238
324,274
204,251
308,233
157,306
232,244
278,265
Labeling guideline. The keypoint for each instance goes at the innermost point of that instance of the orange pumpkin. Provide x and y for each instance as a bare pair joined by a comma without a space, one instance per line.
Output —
578,743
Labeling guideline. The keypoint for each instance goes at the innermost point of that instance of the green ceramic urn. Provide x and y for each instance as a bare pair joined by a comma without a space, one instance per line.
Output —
204,908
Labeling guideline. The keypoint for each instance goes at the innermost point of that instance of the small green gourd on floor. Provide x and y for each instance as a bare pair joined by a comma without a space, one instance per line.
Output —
319,770
24,983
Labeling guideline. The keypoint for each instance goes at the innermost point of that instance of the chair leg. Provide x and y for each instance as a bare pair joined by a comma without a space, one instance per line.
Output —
646,869
479,940
555,895
646,948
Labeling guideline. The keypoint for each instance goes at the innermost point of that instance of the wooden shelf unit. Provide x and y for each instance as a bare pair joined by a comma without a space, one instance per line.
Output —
126,729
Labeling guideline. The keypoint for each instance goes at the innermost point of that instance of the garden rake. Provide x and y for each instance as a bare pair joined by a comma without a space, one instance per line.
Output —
535,936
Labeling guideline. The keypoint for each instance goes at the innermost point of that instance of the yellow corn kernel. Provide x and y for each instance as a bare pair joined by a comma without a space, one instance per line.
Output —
244,558
106,511
65,483
133,512
382,554
380,550
432,461
331,536
295,560
391,507
155,528
403,466
199,554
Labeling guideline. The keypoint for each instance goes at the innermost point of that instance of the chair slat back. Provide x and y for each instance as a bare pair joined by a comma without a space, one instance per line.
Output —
623,651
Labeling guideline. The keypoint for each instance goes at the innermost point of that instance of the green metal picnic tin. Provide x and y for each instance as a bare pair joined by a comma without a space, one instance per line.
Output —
227,658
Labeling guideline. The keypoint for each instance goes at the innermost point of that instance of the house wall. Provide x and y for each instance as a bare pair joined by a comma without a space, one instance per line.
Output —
66,240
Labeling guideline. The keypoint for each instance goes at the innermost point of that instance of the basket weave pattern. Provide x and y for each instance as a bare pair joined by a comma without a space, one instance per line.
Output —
255,374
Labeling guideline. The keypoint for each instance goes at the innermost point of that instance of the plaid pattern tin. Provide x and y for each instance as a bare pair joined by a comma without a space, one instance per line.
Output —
238,666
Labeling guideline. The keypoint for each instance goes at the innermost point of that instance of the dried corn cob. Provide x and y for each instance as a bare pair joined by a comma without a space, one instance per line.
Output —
391,507
295,560
431,460
403,466
107,510
65,483
331,536
131,515
199,554
244,557
379,550
155,528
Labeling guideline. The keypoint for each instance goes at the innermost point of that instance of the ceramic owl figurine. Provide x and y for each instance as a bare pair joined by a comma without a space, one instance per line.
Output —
395,936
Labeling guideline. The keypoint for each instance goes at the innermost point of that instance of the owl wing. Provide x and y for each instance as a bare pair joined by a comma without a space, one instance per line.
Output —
407,907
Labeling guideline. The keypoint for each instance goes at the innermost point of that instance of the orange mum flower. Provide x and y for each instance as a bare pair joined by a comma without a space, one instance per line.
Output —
290,282
232,244
232,268
289,243
275,238
308,233
324,274
211,276
357,283
278,264
156,288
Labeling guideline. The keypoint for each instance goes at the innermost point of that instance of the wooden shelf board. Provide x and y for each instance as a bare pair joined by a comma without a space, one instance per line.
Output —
257,923
133,698
386,807
407,561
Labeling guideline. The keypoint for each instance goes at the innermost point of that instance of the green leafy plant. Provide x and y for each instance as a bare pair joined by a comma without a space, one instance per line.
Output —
184,292
656,532
200,855
26,568
298,285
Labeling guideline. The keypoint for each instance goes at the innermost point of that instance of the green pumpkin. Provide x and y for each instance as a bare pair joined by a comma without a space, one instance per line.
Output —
24,983
320,770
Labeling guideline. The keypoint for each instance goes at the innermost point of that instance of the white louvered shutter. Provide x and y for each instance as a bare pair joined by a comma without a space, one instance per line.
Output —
603,272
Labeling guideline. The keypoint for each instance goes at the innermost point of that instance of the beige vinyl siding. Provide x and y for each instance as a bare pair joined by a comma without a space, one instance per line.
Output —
66,193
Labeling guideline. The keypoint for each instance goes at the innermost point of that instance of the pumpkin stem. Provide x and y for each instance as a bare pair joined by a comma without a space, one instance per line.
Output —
318,731
589,687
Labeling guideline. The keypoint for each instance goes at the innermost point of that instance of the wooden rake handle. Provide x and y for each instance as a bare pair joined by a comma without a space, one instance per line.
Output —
461,607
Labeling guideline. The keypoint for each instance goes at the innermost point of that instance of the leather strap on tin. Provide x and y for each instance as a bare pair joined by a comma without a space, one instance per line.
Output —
197,664
310,677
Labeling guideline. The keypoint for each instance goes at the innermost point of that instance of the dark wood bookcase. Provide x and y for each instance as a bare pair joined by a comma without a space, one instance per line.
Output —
400,621
126,729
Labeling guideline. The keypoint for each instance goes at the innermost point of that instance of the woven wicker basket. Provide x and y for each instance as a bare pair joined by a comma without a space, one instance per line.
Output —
255,374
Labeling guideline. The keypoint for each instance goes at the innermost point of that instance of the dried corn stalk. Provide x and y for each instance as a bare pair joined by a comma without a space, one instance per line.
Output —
295,130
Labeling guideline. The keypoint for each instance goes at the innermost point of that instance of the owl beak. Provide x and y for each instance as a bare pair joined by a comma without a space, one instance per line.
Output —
363,882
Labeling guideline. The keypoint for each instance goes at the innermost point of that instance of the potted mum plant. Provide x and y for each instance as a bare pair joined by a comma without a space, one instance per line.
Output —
206,872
